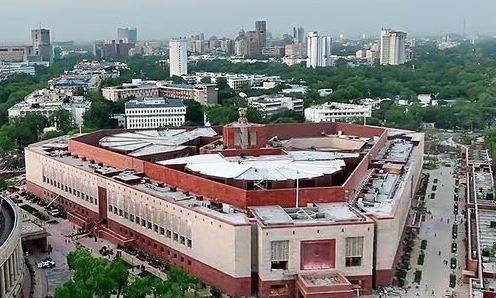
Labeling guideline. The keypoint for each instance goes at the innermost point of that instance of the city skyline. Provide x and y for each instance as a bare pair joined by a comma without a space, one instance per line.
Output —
19,17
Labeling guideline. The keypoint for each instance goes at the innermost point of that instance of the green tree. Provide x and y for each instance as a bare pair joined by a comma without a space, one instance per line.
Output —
63,119
194,112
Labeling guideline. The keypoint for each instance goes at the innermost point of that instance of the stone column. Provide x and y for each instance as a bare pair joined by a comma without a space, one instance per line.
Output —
2,283
6,275
11,272
14,265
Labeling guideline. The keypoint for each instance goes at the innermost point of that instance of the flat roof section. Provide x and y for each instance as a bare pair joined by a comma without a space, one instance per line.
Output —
397,150
483,184
487,234
294,165
318,213
378,193
328,143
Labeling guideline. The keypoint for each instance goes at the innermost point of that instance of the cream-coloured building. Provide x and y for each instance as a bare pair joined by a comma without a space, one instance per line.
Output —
11,256
236,220
137,88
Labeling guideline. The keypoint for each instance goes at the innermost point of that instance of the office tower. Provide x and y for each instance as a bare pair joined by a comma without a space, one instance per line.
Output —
42,49
318,50
298,35
261,33
392,45
178,57
127,35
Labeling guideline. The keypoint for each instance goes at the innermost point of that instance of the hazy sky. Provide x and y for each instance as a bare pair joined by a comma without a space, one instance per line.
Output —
85,20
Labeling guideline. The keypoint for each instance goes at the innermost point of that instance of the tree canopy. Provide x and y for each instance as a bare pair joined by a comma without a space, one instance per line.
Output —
102,278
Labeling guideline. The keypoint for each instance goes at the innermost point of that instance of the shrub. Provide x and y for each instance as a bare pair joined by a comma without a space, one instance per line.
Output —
420,260
418,276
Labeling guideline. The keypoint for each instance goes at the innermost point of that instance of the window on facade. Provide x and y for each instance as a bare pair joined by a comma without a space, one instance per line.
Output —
189,242
137,219
176,237
279,255
121,213
131,217
149,225
354,251
110,208
182,240
162,231
169,234
125,215
143,222
155,228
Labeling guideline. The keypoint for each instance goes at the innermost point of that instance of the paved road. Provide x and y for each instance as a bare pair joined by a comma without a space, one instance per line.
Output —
437,230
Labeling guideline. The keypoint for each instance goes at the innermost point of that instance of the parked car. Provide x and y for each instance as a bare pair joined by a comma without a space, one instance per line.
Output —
453,247
53,212
453,263
45,264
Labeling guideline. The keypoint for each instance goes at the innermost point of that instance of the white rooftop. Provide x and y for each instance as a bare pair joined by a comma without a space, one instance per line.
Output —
146,142
318,213
294,165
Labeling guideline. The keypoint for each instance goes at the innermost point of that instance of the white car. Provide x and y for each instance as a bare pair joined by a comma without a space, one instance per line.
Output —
45,264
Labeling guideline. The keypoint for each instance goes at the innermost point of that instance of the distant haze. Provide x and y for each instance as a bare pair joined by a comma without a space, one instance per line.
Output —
87,20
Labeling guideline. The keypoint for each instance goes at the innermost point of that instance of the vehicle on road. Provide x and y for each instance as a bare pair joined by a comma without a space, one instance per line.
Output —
454,247
45,264
53,212
453,263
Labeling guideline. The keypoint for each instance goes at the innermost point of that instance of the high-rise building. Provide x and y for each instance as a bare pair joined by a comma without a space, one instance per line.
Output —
392,49
178,57
318,50
127,35
298,35
261,29
42,48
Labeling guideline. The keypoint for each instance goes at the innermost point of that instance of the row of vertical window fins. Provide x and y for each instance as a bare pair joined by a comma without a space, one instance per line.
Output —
168,233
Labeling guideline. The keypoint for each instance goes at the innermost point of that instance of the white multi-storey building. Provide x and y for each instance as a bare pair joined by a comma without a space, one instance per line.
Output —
393,50
318,50
154,113
178,57
332,111
46,102
273,105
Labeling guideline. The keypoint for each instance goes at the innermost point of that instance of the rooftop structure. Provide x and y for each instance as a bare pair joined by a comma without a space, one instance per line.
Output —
315,214
11,256
480,269
148,142
281,200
